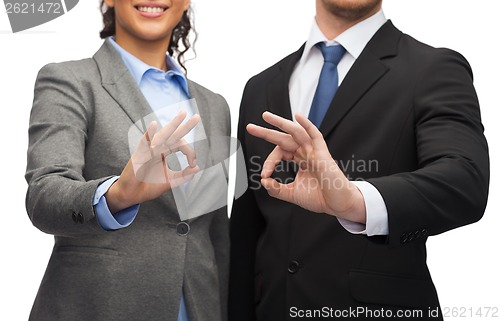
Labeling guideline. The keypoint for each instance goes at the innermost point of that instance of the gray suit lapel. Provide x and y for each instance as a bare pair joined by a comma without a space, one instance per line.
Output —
206,192
118,82
185,198
202,133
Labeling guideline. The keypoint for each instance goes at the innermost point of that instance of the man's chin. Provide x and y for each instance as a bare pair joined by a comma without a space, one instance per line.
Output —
351,9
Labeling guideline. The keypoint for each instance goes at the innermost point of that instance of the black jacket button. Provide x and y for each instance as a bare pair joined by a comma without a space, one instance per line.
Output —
293,267
74,217
183,229
80,218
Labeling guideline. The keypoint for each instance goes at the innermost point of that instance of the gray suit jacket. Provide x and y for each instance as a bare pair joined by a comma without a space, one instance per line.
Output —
81,115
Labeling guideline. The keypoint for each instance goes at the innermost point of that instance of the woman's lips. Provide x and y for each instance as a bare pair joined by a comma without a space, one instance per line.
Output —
151,10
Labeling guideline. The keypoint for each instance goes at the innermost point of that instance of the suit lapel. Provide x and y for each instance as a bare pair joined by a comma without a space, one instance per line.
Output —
118,82
278,96
363,75
202,131
205,187
120,85
278,99
201,137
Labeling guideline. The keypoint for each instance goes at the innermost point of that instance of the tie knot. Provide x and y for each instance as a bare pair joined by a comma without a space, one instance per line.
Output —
331,54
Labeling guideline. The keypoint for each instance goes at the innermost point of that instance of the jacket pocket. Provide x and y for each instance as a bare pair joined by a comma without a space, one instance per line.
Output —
85,250
395,290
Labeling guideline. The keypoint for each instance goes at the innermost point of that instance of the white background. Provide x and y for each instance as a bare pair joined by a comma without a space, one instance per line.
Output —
238,39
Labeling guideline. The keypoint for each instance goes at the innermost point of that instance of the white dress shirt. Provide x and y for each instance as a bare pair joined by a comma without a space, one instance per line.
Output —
302,87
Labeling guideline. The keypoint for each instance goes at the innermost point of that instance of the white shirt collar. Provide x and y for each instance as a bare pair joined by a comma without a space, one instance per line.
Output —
354,39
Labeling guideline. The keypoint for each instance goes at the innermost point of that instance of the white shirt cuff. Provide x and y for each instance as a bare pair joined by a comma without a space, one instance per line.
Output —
377,222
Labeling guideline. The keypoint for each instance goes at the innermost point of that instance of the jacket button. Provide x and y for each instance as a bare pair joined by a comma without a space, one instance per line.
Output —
74,217
80,218
404,238
293,267
424,232
183,229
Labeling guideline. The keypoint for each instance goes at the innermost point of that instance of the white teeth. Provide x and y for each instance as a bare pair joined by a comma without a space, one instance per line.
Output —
150,9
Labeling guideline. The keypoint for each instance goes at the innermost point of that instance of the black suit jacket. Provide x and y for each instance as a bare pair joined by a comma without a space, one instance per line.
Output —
406,119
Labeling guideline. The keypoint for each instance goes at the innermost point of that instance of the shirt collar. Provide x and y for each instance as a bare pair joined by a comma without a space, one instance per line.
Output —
138,68
354,39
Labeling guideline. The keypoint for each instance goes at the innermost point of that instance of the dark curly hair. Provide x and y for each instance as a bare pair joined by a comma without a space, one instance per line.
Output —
179,41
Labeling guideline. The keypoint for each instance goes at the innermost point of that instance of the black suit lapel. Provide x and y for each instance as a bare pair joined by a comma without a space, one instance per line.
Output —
363,75
278,99
278,96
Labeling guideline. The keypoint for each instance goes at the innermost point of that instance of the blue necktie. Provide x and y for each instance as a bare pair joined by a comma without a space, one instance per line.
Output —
328,82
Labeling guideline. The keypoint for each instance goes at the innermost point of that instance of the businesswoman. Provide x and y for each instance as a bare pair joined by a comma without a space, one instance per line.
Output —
123,249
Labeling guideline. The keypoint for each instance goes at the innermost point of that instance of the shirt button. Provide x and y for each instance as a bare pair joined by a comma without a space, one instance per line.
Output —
183,229
293,267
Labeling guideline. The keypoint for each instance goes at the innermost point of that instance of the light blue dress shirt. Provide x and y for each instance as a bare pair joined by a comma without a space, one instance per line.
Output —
161,89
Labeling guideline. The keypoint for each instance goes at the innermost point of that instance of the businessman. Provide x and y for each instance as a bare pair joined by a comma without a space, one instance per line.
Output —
358,147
